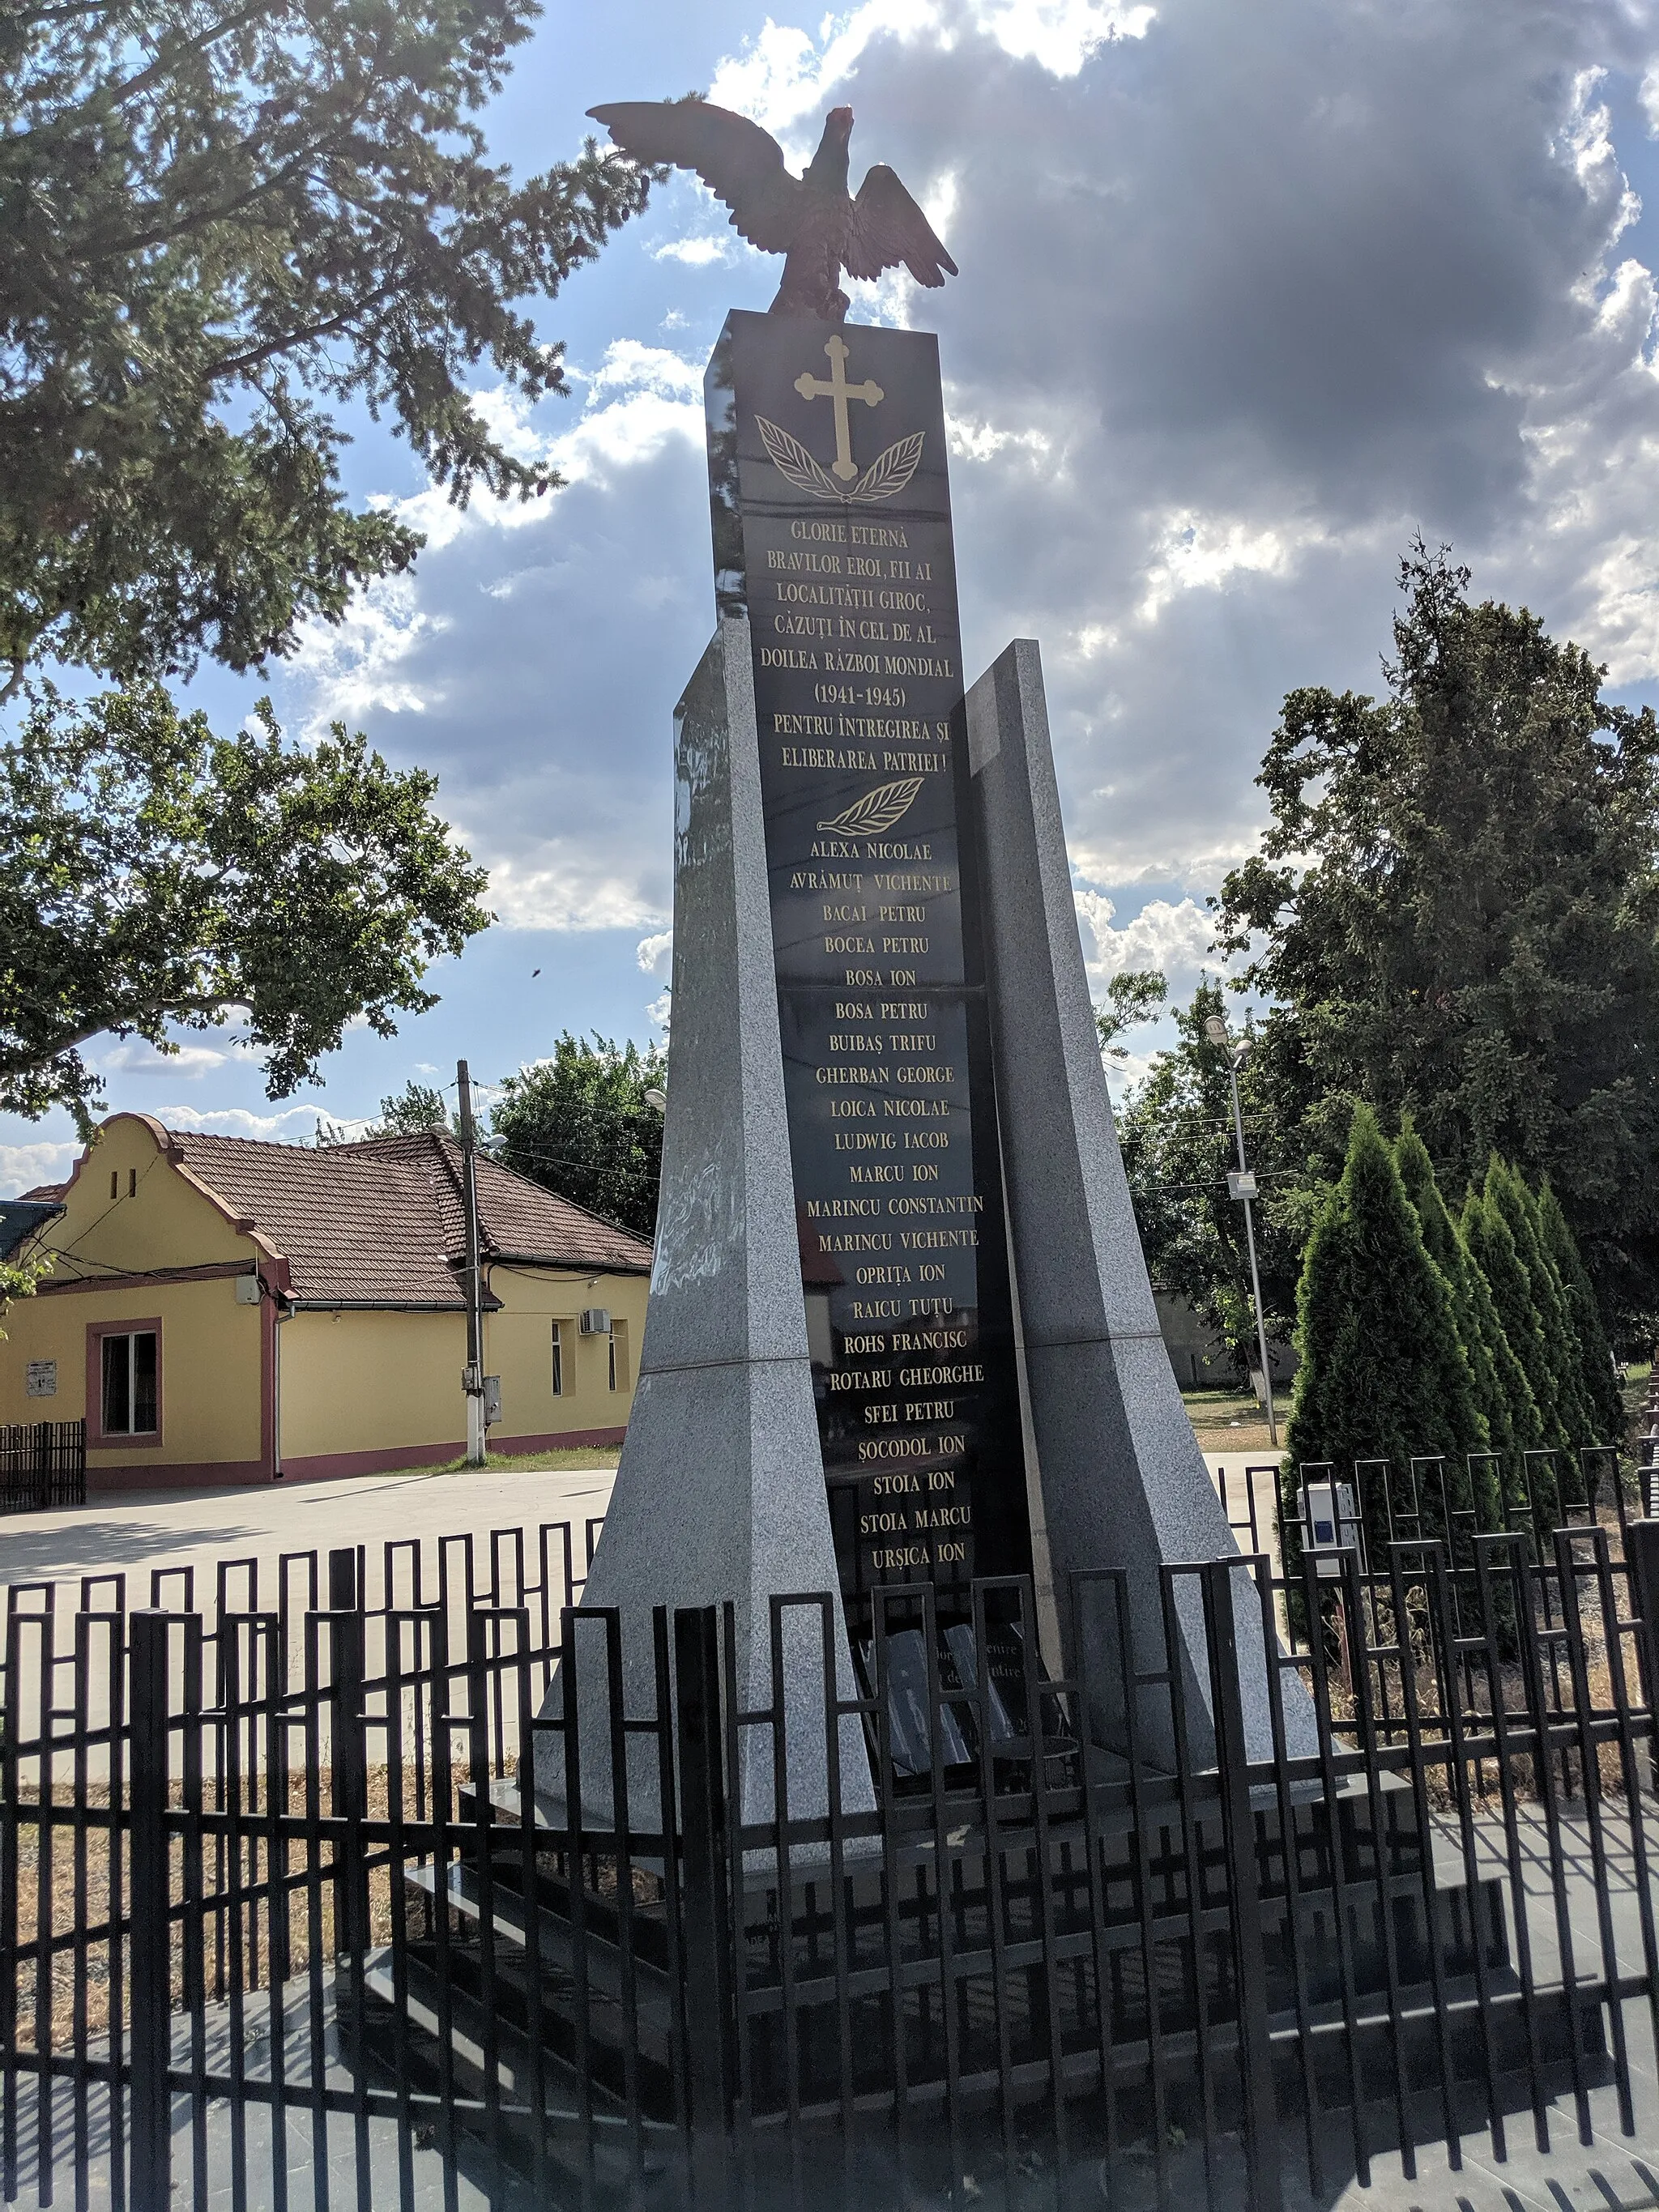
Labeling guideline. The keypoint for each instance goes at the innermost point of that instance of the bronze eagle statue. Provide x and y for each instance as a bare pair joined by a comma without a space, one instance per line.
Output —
813,221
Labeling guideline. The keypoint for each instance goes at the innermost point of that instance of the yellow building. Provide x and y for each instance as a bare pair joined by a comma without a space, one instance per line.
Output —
223,1311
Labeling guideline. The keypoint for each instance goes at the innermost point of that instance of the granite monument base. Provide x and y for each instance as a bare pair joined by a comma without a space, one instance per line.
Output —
1123,1481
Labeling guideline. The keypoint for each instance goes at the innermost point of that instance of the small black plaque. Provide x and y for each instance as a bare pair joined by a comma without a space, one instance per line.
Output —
832,536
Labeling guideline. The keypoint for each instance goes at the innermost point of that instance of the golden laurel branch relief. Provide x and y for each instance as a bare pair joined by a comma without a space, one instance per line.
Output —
877,812
887,474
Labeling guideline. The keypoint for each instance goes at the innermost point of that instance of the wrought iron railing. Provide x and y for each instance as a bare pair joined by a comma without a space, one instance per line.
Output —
392,1873
43,1465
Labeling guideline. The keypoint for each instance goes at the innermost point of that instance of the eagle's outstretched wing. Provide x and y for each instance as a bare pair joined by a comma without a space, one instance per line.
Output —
739,162
886,227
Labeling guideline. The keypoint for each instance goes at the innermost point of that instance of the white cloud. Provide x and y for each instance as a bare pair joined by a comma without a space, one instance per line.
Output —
1176,939
23,1166
981,441
565,890
1060,34
697,252
289,1124
531,639
629,366
191,1062
654,951
1194,552
354,668
785,74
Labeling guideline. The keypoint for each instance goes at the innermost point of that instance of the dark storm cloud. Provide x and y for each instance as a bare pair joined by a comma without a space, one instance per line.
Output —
1245,299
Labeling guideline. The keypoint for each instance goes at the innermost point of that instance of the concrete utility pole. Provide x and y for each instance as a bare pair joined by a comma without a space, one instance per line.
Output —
1241,1186
472,1376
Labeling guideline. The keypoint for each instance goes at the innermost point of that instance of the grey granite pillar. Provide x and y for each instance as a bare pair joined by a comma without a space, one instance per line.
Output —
720,1493
1124,1484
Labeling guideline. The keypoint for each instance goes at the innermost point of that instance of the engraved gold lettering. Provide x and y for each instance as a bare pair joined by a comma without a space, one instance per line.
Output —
857,1073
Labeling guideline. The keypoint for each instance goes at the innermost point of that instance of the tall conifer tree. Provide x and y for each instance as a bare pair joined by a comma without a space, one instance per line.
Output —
1382,1373
1526,1423
1505,1189
1601,1383
1455,910
1487,1236
1444,1244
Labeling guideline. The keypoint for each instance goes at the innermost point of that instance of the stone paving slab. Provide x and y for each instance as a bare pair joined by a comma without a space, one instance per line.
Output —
139,1531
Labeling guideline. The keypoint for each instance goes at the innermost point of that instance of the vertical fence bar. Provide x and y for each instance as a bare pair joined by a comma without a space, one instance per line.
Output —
349,1803
151,2101
480,1625
10,1730
707,1946
1266,2182
1642,1556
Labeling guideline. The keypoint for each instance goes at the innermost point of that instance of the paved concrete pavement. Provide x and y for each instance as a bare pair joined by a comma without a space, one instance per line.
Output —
136,1533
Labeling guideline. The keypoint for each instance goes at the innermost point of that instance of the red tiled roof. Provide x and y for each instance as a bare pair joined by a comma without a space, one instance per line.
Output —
50,1192
516,1217
381,1222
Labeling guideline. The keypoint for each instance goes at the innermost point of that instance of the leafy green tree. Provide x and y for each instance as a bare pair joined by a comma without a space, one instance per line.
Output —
581,1124
218,224
1509,1193
1455,913
21,1277
152,874
415,1107
1599,1378
1486,1232
1500,1388
1131,997
1177,1132
1382,1373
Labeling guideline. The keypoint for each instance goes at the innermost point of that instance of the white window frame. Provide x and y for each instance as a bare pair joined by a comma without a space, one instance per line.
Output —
129,1338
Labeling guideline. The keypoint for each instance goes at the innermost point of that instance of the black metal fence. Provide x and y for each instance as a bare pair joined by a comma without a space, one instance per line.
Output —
43,1465
284,1912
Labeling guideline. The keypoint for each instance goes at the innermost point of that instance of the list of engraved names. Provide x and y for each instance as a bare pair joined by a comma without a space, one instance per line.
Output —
858,680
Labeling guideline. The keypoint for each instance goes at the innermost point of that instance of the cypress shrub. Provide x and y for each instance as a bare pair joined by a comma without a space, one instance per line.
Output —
1382,1373
1487,1234
1515,1201
1477,1325
1600,1382
1526,1424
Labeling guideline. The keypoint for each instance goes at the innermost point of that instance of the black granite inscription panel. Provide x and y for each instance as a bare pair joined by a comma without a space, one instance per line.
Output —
832,536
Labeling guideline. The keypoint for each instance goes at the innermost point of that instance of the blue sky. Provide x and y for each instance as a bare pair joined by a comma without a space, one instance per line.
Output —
1248,294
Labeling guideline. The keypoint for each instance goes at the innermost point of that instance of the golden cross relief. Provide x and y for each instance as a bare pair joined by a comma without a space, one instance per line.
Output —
839,391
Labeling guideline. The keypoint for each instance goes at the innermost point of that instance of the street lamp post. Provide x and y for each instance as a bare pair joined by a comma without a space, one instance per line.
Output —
1241,1186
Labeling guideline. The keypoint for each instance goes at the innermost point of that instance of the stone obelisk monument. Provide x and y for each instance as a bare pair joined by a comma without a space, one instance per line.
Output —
888,1128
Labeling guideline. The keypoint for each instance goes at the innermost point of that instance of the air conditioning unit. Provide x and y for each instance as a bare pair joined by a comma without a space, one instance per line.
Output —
596,1321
